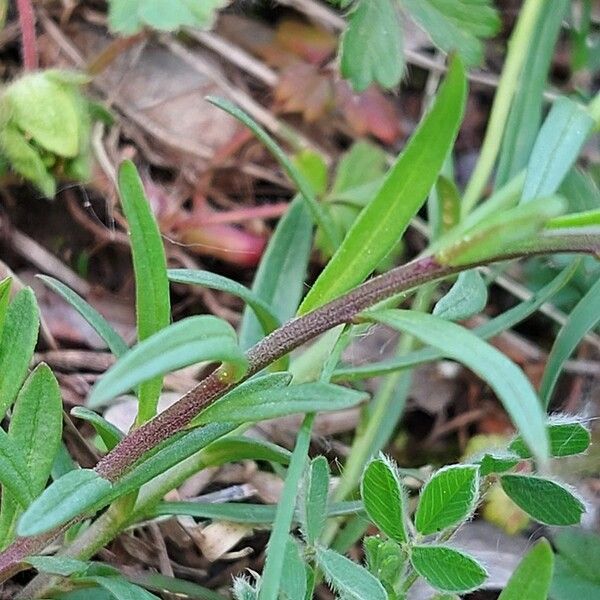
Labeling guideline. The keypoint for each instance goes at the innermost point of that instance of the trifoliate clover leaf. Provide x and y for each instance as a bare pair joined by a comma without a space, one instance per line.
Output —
128,17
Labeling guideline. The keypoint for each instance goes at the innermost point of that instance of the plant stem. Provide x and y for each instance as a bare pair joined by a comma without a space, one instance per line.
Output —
28,39
507,86
282,341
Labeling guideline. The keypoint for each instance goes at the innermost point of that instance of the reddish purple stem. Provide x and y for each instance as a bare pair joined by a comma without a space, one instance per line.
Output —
28,38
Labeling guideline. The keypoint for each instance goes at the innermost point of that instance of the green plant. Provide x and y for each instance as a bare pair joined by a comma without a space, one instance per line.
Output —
525,216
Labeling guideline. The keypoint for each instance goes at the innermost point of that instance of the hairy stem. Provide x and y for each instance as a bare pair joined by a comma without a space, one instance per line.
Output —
28,39
282,341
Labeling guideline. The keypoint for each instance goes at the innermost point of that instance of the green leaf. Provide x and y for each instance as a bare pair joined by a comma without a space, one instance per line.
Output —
280,401
533,576
363,164
448,498
467,297
384,498
499,232
17,344
556,148
168,454
45,111
587,218
503,376
526,109
279,279
102,327
235,448
566,439
189,341
447,569
385,560
293,585
486,331
274,563
582,318
255,387
314,499
349,580
58,565
13,471
576,574
121,589
152,301
319,215
5,287
129,17
497,462
68,497
267,319
314,167
238,512
36,429
26,161
110,434
545,501
448,201
372,46
457,25
381,224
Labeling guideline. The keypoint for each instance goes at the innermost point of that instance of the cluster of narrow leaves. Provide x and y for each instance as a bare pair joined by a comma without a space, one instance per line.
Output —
448,500
45,128
372,48
29,447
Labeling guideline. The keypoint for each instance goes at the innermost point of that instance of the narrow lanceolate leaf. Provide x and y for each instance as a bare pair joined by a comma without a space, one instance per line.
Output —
120,588
71,495
36,428
237,448
319,215
545,501
449,498
556,148
267,319
583,317
58,565
526,109
372,46
5,287
382,223
533,576
348,579
458,25
566,439
17,343
293,585
313,506
152,301
446,569
385,498
499,232
279,279
13,471
273,571
189,341
256,388
467,297
503,376
281,401
110,434
116,344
